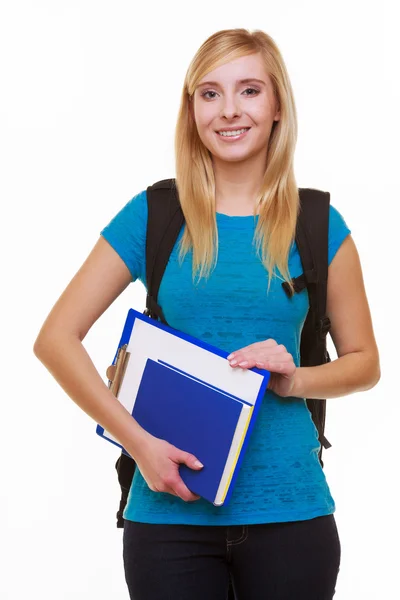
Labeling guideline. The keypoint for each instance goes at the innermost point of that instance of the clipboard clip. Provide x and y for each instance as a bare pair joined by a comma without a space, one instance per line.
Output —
115,373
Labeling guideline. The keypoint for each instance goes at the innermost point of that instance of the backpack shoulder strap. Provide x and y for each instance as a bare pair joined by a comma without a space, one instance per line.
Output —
312,242
165,220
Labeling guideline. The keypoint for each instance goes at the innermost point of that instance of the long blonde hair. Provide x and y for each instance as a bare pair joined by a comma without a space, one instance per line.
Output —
279,198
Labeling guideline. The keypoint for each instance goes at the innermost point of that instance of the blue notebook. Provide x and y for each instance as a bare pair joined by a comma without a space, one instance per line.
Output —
184,391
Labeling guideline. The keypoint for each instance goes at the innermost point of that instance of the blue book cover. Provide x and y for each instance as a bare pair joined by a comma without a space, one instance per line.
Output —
193,417
172,402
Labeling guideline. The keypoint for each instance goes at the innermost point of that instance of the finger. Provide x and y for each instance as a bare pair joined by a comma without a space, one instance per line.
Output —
183,491
167,490
161,487
244,354
248,362
261,364
277,354
274,366
244,350
171,491
178,486
286,369
241,350
241,359
170,484
188,459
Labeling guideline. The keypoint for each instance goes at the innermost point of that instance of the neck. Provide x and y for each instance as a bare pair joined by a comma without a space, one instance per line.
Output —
237,185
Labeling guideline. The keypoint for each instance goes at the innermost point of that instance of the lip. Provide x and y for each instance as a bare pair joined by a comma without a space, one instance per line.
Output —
232,128
232,138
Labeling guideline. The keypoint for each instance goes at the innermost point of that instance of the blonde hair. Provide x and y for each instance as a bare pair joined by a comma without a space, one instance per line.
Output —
279,198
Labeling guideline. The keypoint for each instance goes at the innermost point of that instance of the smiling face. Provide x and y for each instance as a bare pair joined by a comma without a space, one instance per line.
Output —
234,108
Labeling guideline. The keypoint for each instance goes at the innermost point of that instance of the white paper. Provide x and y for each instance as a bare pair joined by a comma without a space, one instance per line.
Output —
147,341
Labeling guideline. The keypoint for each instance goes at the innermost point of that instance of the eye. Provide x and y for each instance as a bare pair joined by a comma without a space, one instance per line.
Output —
204,94
253,90
247,92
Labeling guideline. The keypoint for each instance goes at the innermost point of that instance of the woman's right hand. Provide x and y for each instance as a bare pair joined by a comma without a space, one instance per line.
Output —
159,461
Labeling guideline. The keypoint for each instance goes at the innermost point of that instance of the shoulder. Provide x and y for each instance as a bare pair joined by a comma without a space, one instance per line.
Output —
336,218
137,205
132,214
126,233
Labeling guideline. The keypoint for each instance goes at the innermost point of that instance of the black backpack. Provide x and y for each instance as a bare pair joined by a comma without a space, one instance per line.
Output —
165,220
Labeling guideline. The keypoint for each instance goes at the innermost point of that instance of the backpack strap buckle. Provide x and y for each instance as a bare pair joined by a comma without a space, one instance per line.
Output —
324,326
300,283
324,442
154,310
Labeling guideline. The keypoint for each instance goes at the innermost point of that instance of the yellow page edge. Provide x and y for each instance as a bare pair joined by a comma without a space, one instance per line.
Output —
237,454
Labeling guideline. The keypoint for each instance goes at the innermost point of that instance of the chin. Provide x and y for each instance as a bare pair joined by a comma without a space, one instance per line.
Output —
238,156
233,159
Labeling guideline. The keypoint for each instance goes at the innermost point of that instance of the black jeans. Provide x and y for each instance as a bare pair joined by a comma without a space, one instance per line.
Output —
277,561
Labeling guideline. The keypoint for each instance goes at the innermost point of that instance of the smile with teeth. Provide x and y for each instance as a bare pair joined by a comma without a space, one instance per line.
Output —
233,133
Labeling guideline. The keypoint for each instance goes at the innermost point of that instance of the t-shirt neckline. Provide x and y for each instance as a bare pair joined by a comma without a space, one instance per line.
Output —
225,216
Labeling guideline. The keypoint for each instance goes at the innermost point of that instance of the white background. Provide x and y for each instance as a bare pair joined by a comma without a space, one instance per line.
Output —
90,94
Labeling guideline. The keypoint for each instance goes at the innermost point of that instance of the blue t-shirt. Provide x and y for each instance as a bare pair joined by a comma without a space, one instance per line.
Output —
280,478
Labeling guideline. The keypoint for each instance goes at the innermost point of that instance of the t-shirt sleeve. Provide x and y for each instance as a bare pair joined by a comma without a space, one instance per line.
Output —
126,233
338,231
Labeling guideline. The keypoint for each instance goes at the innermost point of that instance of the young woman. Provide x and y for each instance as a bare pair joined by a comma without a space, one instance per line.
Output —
235,142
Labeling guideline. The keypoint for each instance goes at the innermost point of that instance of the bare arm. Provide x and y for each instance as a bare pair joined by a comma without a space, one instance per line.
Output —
58,345
100,280
357,366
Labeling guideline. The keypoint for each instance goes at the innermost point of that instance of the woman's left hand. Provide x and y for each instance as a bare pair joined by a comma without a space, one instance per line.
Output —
271,356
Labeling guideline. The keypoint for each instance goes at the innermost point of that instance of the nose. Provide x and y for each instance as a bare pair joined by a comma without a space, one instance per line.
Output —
230,107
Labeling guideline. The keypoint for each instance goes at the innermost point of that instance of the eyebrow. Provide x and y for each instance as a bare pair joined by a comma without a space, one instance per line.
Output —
248,80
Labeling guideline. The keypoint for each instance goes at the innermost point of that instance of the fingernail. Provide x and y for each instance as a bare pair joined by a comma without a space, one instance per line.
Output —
198,464
229,357
243,363
233,362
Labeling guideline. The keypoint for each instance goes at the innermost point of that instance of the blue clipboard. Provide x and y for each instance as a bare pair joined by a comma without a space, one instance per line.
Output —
159,377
